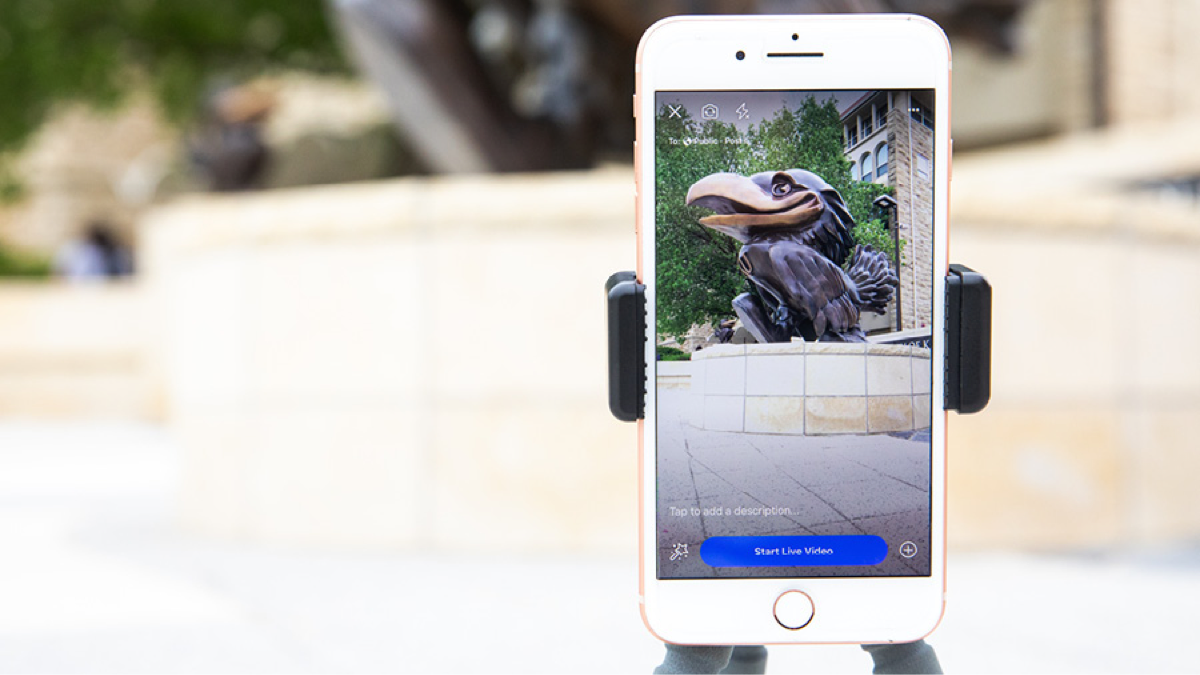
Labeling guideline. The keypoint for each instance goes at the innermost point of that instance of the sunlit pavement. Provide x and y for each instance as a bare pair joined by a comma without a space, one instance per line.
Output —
831,485
95,577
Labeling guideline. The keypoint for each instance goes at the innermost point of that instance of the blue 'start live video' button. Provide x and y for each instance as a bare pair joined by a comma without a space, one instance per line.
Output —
806,551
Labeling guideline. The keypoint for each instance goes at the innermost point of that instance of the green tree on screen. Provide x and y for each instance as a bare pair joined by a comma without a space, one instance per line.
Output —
697,271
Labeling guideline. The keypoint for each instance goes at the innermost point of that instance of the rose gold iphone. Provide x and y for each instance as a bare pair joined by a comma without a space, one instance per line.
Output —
793,180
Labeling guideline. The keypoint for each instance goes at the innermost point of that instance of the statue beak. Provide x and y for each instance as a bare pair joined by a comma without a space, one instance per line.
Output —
721,191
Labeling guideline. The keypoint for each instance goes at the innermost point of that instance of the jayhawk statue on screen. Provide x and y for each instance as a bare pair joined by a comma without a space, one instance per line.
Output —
795,232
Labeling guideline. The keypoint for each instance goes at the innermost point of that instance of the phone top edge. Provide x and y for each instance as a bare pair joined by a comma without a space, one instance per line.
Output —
691,21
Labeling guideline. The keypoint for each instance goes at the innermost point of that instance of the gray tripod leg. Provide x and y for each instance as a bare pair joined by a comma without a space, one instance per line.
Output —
747,660
909,657
694,659
740,660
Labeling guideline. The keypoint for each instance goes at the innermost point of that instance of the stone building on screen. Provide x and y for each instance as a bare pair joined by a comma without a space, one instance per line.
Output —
888,139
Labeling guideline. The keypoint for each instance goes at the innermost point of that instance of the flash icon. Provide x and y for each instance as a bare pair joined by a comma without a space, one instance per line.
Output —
742,112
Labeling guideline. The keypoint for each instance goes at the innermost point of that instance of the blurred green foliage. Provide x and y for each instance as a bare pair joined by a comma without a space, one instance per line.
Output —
11,187
19,264
672,354
96,51
697,273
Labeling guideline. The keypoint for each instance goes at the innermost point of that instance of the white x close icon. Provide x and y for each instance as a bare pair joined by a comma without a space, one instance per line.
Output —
674,111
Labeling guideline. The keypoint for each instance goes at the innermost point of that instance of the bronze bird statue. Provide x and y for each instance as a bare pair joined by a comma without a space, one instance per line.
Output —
795,234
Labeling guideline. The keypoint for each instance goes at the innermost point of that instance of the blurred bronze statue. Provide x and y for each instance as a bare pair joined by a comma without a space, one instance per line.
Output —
795,232
528,85
228,149
724,332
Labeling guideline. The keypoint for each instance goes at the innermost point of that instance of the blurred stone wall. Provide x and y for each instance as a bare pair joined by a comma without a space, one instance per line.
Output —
1152,56
1078,64
71,352
1044,87
418,363
1091,436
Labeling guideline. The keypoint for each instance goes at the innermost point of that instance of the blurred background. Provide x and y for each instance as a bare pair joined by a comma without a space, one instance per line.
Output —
302,358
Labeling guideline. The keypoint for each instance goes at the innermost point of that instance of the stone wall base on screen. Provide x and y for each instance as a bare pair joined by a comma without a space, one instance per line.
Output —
805,388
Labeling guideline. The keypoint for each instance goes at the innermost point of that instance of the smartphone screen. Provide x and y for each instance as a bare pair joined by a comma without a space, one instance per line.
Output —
794,331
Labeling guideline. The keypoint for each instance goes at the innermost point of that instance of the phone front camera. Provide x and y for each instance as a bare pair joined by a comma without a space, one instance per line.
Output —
740,55
795,36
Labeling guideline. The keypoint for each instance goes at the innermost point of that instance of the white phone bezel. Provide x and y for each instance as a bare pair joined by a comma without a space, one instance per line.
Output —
860,52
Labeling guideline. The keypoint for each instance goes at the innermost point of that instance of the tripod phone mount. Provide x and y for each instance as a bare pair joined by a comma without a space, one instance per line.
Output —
968,339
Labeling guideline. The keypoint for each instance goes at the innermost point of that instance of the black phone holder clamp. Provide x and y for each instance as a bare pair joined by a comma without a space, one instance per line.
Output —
626,346
968,343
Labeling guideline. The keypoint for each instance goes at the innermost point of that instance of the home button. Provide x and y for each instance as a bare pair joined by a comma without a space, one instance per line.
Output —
793,610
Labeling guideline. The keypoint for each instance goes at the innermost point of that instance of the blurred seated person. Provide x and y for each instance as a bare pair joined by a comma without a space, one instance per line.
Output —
98,255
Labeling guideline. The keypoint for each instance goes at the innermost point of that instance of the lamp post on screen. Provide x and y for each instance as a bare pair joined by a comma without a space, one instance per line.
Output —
888,203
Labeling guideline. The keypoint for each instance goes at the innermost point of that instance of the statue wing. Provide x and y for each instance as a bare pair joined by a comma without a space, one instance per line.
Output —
873,278
812,283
